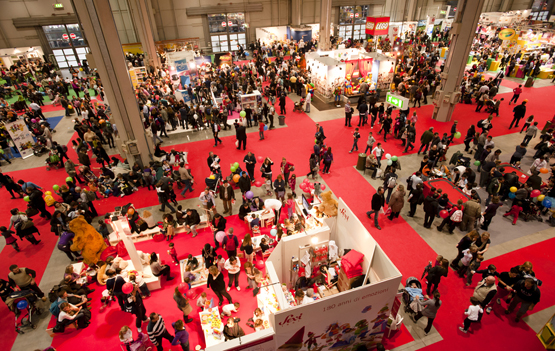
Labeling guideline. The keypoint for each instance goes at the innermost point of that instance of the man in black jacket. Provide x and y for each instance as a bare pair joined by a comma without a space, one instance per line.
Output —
241,135
192,219
431,207
244,183
377,204
36,200
218,223
519,113
227,194
250,161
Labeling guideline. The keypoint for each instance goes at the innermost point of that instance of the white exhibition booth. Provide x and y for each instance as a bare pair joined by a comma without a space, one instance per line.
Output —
10,55
356,315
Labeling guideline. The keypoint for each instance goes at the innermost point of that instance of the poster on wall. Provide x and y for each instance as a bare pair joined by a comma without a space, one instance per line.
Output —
357,317
377,25
22,138
181,65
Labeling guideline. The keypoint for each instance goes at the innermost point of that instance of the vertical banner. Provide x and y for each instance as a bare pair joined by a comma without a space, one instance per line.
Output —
377,25
22,138
340,322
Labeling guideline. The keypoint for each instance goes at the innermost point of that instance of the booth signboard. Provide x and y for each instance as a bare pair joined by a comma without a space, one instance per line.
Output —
397,101
507,34
377,25
181,65
22,138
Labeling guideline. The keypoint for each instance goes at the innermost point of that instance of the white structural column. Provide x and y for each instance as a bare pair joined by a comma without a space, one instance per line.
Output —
462,34
96,19
295,13
141,12
325,25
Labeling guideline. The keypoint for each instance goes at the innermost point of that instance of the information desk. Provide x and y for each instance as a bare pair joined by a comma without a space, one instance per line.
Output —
201,273
212,326
447,187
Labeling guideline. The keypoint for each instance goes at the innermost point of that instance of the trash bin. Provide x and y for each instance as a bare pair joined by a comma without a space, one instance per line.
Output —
361,163
529,82
281,120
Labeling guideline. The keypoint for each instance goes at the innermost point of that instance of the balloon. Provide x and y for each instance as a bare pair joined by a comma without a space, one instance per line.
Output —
101,121
127,288
544,170
458,135
69,179
394,158
512,195
306,180
242,114
220,236
258,184
260,264
183,287
1,151
33,120
541,197
388,156
273,232
323,186
477,163
232,169
315,141
21,305
389,162
546,203
260,159
272,204
236,178
246,53
26,199
249,195
190,293
306,189
130,211
443,214
48,193
265,127
81,69
236,164
513,189
535,193
56,187
311,185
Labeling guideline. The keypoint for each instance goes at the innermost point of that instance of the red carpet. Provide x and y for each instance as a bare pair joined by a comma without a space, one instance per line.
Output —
403,245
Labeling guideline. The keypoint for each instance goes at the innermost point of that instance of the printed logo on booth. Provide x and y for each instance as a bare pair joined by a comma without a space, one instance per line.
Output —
382,26
370,25
344,214
290,319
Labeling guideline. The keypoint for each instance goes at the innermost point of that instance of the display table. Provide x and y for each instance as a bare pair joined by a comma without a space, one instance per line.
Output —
201,273
522,176
494,66
265,216
452,191
266,298
544,74
212,326
152,282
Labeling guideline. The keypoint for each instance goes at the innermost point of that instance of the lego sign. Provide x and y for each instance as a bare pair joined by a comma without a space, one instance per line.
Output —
377,25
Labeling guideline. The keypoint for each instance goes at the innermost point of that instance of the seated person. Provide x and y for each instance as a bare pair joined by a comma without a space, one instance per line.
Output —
264,245
256,204
232,330
192,263
413,291
69,313
255,221
244,210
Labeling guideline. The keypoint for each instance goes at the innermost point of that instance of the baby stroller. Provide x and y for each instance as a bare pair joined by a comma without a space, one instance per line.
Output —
53,160
40,147
463,161
23,304
213,183
411,282
140,344
299,106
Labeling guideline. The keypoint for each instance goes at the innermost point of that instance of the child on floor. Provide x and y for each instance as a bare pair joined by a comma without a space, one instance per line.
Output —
192,263
290,205
201,301
232,307
220,263
468,254
106,299
473,311
268,186
474,265
173,254
293,184
258,315
515,210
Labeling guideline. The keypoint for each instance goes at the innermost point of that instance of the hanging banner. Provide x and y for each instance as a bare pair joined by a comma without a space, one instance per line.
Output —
22,138
377,25
507,34
357,317
181,65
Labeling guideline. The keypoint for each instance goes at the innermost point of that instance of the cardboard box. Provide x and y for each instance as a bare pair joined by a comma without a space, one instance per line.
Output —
343,282
325,292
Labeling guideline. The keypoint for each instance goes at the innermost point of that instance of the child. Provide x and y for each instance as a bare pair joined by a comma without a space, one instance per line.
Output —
169,226
173,254
105,299
287,224
468,254
268,186
292,184
143,288
474,265
10,239
264,245
201,301
255,221
261,130
472,312
515,210
227,309
356,136
290,205
192,262
220,263
258,324
103,229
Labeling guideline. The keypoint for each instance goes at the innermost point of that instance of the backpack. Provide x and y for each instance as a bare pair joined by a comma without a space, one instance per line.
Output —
53,294
55,308
409,182
391,182
457,216
91,196
230,243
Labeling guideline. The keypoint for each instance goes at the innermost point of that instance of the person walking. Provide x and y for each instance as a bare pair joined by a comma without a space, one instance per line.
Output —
429,310
183,305
313,166
348,114
527,294
378,202
328,160
24,279
241,135
530,134
228,196
250,162
157,331
233,267
356,136
431,208
518,113
216,282
396,202
216,131
416,198
185,177
37,201
370,143
181,335
516,94
426,139
435,274
163,191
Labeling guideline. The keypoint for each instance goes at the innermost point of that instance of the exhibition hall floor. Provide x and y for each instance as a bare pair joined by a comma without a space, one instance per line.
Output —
408,244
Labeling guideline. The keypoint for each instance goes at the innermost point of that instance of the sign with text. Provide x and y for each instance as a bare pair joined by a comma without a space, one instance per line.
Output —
22,137
397,101
344,321
377,25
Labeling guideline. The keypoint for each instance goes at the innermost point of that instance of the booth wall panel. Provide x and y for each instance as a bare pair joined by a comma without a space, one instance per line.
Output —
382,265
276,257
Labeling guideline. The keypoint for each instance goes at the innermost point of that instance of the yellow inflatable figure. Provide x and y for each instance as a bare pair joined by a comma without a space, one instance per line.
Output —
87,240
329,204
49,199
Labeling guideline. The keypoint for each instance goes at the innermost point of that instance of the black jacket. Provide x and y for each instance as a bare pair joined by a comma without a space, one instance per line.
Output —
377,201
241,133
430,205
220,227
245,183
193,219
